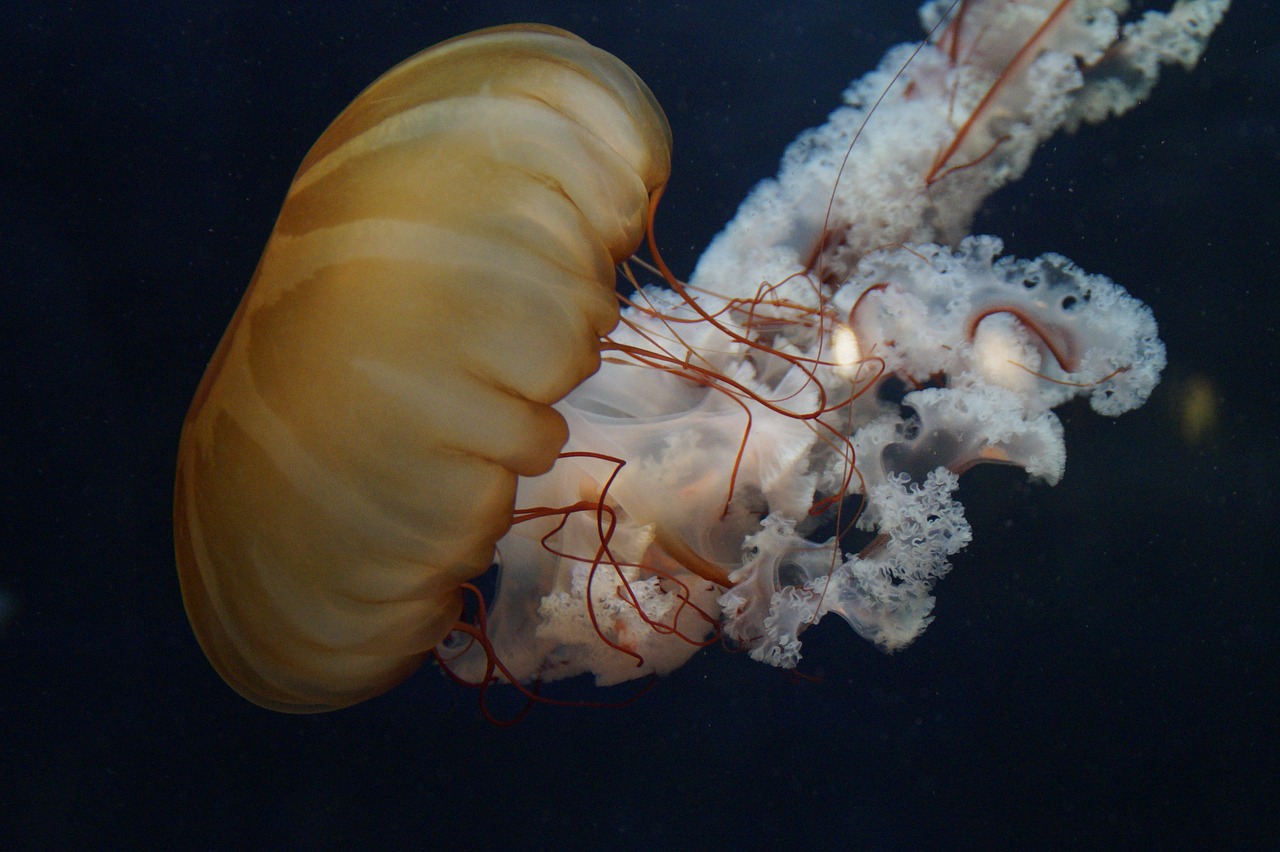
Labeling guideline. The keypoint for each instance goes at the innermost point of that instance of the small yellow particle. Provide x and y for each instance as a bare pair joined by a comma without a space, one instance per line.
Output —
1197,409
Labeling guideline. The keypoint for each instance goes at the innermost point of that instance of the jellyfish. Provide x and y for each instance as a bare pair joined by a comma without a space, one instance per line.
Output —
778,438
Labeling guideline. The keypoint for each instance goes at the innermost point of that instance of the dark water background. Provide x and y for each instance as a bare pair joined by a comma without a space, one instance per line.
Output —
1103,671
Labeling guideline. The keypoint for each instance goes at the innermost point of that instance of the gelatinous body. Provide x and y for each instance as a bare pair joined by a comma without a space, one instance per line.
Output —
440,274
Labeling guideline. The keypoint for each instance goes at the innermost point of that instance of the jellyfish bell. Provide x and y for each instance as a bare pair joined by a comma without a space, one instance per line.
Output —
441,273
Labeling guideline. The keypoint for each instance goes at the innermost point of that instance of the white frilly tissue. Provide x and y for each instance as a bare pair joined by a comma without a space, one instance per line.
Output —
843,352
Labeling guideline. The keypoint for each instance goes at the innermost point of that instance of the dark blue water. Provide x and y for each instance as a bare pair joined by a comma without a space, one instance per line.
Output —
1104,667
